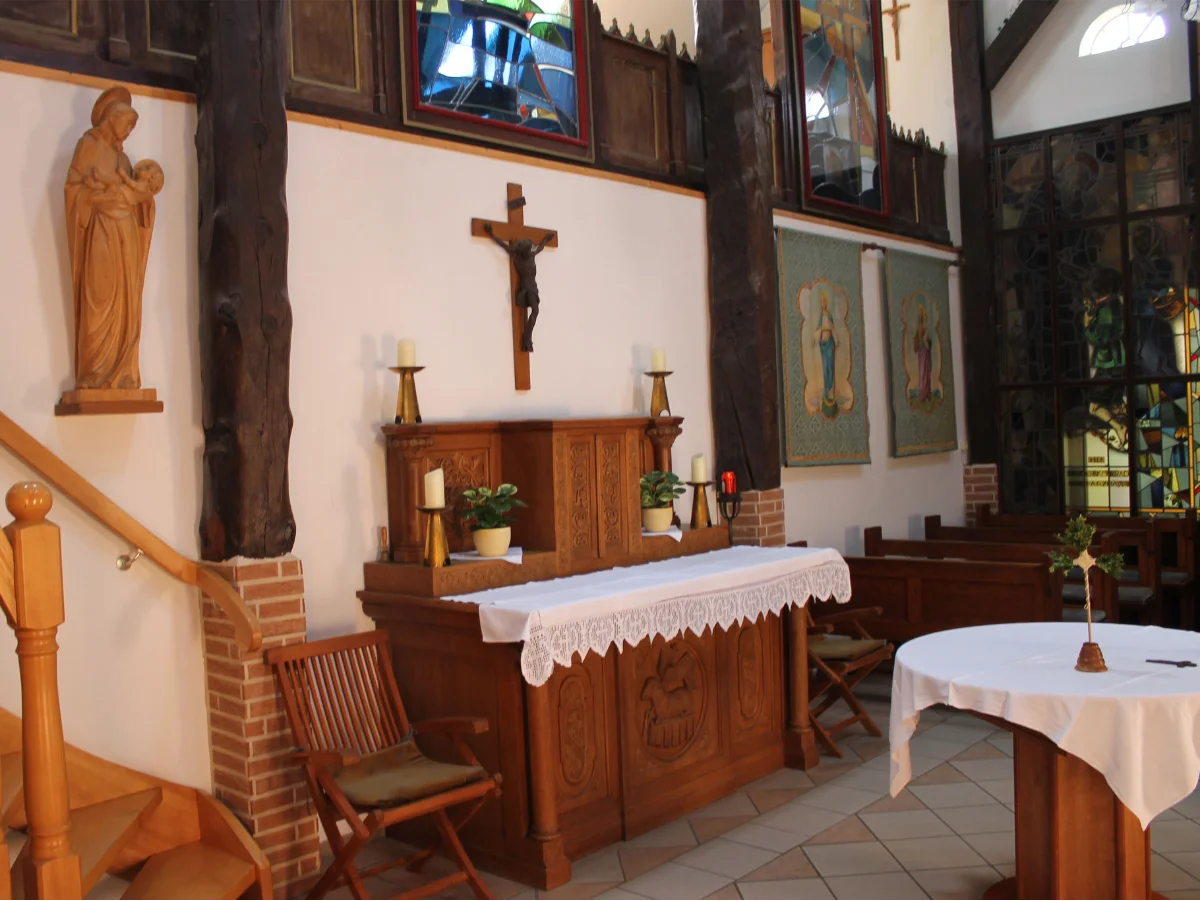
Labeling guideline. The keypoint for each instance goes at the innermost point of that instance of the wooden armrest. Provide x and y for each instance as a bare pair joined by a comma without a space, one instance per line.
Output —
340,757
469,725
849,614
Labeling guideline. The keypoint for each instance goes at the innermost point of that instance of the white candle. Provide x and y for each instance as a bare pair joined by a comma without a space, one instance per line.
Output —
699,468
406,353
658,360
435,489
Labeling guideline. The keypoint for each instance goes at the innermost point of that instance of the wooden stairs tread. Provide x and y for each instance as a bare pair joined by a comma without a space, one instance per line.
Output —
99,832
193,871
12,777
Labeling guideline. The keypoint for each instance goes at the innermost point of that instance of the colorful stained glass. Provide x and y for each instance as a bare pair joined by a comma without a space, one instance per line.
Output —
1164,297
1090,303
1165,455
842,96
1152,163
1030,459
1026,333
508,62
1085,173
1095,448
1019,171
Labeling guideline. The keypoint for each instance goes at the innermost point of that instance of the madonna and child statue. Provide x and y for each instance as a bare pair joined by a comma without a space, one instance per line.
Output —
110,221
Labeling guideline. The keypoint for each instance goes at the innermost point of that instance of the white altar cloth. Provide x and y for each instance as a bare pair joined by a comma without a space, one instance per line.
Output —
577,614
1138,724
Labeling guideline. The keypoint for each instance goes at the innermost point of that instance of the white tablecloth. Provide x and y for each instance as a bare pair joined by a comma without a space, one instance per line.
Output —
562,617
1138,724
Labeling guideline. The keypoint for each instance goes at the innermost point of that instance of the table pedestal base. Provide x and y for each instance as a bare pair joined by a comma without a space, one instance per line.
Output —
1075,839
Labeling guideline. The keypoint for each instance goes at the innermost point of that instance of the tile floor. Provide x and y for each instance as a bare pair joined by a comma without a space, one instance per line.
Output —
835,833
830,833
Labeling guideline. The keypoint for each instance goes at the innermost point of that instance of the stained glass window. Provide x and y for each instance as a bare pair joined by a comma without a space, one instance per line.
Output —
1095,424
1152,163
1020,185
511,63
1085,173
1165,449
842,94
1030,459
1026,331
1090,303
1164,297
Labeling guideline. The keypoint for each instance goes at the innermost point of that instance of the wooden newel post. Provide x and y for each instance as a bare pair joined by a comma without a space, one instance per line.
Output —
52,869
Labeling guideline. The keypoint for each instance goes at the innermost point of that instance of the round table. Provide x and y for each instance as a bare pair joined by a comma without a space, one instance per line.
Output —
1096,755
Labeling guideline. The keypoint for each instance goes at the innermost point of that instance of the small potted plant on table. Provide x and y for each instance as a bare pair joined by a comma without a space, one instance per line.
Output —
659,490
489,514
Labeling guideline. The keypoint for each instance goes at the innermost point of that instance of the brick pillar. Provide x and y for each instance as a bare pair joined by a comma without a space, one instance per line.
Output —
248,731
981,488
761,519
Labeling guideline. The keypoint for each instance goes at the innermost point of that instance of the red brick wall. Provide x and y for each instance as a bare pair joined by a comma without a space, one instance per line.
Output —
981,488
761,519
248,731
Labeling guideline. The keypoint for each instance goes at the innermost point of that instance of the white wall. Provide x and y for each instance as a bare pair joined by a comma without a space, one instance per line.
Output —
995,14
831,505
380,249
1050,85
660,16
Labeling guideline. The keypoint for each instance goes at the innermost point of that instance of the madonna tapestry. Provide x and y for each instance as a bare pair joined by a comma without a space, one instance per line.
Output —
920,365
824,370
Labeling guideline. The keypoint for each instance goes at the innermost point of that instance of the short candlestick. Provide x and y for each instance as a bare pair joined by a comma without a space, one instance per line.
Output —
408,411
659,405
701,518
437,549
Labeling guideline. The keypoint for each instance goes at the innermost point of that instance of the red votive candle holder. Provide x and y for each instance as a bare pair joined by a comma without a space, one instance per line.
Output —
728,483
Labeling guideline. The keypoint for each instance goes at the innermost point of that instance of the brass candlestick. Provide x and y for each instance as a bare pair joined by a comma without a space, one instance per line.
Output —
659,406
437,550
701,518
408,411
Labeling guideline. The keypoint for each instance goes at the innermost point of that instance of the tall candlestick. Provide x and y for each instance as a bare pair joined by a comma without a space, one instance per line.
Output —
435,489
406,353
658,360
699,468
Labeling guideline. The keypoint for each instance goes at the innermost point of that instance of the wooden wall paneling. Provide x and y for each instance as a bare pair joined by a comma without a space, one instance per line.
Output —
676,107
163,35
527,461
931,177
773,113
693,119
903,161
788,121
334,51
637,125
71,27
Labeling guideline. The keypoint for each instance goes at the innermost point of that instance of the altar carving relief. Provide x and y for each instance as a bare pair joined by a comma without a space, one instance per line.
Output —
611,455
749,673
576,750
462,470
579,474
675,697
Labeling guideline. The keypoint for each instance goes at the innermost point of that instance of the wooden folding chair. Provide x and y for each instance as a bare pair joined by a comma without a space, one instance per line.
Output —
363,764
841,662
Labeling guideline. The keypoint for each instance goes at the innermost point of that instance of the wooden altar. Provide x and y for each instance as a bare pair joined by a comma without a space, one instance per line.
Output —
613,745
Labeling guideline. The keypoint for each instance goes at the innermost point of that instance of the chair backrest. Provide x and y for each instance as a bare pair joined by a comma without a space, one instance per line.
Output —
341,694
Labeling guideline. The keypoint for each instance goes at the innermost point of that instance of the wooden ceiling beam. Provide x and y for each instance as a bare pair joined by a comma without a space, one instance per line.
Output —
1021,26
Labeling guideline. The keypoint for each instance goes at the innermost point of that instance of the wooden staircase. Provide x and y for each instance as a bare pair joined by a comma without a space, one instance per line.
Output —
167,840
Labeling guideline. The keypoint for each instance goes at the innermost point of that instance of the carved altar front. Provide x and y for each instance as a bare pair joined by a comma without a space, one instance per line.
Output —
611,746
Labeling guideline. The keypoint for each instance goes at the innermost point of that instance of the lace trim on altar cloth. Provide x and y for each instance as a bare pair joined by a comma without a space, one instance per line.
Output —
546,647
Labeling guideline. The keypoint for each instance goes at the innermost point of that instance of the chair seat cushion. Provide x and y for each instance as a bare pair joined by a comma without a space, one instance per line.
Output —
838,648
400,774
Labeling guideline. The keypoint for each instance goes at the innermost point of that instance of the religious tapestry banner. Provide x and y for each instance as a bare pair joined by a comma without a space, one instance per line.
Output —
824,367
917,292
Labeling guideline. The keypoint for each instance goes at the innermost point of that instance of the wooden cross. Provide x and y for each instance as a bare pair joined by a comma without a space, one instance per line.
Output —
514,230
894,12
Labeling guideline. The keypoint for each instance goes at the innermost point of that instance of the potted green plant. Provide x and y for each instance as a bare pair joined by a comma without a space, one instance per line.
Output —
1077,541
659,490
489,514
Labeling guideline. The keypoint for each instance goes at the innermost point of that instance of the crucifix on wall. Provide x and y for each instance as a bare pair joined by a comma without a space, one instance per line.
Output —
522,243
894,12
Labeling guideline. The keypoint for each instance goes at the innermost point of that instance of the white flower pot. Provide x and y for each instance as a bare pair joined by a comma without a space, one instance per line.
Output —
657,519
492,542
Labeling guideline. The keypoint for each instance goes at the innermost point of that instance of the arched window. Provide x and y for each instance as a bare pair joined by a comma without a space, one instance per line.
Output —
1122,26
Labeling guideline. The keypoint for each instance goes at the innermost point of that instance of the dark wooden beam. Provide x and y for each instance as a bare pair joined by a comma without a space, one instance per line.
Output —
743,289
245,314
1024,22
973,113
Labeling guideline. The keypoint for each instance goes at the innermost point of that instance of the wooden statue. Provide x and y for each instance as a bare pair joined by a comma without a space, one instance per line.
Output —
110,221
522,251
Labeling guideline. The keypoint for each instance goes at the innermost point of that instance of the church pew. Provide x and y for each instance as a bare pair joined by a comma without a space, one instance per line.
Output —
1139,598
920,596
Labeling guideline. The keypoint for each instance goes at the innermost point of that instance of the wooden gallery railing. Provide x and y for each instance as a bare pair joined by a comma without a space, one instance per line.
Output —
31,594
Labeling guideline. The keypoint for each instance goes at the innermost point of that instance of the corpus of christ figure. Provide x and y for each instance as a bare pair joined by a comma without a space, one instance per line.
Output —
522,251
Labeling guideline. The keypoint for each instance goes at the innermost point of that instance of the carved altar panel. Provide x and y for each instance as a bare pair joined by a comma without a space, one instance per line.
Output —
331,52
462,469
580,496
669,706
752,659
584,722
613,490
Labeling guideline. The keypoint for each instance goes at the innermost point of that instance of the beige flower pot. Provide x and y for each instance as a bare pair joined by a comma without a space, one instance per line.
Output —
657,519
492,542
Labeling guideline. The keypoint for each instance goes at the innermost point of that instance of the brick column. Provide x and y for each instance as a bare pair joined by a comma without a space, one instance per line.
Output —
248,731
981,488
761,519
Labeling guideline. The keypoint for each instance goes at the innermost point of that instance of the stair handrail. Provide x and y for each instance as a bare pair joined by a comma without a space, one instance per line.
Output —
102,508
